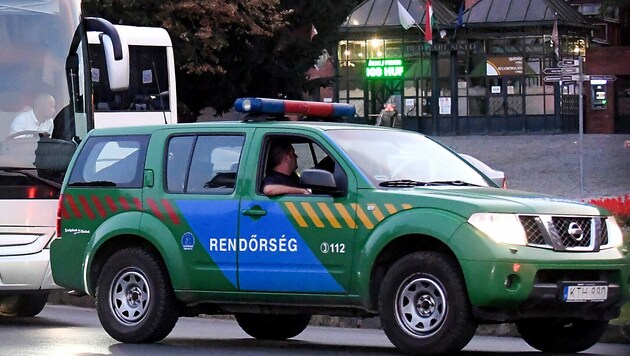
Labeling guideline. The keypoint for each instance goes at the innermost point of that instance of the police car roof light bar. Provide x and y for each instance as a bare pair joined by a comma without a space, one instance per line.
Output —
278,106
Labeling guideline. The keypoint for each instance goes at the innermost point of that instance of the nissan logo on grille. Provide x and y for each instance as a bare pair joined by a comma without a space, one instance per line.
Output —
575,231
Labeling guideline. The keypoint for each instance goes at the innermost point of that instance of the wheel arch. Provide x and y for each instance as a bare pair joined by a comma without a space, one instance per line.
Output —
419,229
111,246
398,248
158,239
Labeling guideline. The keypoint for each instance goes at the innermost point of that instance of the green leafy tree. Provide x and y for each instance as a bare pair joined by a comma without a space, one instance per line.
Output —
225,49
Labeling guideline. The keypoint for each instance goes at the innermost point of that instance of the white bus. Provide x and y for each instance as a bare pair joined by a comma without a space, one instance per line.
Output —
151,97
45,72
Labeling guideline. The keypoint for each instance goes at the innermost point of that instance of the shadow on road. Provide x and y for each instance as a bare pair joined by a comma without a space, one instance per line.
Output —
35,322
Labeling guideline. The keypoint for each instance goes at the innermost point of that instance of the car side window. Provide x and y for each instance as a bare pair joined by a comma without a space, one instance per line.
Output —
310,154
177,161
111,162
214,164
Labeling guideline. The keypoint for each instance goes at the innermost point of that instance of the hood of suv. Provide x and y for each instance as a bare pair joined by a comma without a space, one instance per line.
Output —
469,200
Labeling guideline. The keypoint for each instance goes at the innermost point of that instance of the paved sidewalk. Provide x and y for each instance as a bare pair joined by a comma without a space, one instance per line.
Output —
551,163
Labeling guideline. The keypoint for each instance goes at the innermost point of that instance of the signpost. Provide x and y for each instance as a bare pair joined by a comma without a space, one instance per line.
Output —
569,71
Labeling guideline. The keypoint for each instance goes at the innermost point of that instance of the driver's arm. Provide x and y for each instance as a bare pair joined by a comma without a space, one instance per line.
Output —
273,190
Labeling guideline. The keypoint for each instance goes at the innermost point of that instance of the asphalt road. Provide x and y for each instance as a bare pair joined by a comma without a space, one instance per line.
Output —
65,330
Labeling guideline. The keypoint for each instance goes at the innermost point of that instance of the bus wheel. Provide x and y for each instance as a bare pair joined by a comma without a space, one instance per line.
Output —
134,298
423,305
272,327
23,305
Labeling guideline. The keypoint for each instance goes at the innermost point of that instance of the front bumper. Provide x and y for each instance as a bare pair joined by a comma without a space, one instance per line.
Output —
534,292
507,283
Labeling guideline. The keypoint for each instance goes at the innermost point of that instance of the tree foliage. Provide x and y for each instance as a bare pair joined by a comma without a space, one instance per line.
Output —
230,48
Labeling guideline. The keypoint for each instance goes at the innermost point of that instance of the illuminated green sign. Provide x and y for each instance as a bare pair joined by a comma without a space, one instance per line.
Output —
384,68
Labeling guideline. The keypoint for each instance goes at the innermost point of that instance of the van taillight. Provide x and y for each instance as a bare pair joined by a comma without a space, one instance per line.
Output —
504,183
59,207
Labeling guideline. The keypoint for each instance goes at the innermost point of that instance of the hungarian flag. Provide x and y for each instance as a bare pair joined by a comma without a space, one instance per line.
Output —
428,23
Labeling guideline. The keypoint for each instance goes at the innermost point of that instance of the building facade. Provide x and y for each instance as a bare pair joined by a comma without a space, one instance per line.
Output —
486,72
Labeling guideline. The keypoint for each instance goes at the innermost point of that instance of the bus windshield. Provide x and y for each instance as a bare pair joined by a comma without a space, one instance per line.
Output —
37,121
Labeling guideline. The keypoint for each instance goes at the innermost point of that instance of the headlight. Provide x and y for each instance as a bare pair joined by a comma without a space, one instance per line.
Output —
615,237
502,228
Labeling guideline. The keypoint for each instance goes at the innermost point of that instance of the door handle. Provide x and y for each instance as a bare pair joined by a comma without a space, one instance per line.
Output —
256,211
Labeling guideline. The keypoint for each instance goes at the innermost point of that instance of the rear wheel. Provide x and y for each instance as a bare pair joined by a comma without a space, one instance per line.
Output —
423,305
561,335
273,327
134,298
23,305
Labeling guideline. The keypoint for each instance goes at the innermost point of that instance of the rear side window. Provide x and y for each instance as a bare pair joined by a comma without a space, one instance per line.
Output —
203,164
111,161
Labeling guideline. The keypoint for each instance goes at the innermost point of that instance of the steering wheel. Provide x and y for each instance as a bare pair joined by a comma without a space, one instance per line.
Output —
25,133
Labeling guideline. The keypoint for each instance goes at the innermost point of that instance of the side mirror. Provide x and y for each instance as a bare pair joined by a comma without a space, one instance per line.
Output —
116,52
320,181
117,70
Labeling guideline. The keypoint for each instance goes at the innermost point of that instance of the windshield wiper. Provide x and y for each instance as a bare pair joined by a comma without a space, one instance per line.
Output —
404,183
415,183
26,173
459,183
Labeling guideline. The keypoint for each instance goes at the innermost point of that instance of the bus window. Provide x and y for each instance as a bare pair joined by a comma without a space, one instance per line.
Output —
151,96
148,79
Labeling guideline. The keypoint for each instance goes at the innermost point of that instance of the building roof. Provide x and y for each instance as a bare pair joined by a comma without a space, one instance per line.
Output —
383,14
510,13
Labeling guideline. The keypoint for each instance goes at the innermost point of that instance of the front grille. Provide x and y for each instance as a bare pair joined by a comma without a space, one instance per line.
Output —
532,231
582,227
565,233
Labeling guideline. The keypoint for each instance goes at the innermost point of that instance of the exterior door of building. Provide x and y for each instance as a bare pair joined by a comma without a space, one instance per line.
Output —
505,103
385,102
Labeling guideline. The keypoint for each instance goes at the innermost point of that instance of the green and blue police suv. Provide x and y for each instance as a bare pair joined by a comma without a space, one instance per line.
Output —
167,221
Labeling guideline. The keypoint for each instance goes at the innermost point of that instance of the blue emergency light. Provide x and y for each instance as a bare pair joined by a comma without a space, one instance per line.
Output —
280,107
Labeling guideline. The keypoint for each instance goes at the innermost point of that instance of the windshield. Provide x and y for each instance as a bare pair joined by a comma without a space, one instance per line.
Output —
391,158
35,37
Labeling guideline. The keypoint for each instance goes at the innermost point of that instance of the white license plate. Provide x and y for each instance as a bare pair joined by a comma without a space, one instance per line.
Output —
585,292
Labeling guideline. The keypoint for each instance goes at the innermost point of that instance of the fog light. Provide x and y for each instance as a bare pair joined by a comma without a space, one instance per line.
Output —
512,282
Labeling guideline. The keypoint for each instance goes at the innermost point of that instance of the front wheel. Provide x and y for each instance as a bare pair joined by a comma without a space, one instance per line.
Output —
561,335
273,327
424,305
134,298
23,305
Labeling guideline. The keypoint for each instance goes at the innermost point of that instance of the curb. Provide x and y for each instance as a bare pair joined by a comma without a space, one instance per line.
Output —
615,334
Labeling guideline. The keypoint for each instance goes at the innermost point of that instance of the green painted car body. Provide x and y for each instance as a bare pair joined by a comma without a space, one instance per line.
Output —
228,248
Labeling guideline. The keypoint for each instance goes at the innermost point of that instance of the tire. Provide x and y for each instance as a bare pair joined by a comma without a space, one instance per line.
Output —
561,335
273,327
135,301
424,306
23,305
